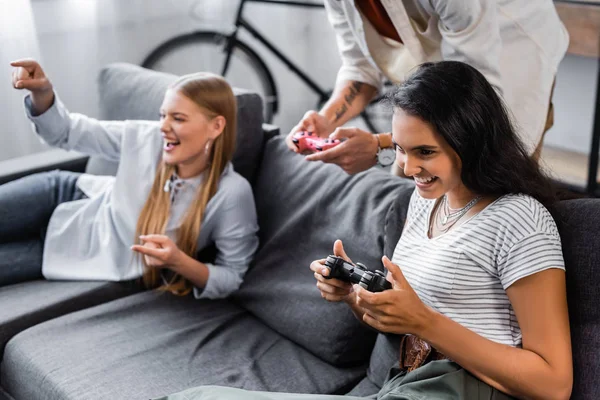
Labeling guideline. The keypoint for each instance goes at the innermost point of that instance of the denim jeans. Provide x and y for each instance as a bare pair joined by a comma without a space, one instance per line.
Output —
26,206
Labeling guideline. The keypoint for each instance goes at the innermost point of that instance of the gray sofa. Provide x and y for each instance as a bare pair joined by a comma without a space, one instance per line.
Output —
97,340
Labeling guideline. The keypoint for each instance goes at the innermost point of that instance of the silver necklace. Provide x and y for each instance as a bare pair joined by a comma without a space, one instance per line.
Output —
452,213
444,223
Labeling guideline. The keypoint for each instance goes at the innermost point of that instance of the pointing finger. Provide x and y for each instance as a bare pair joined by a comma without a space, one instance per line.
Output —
157,253
161,239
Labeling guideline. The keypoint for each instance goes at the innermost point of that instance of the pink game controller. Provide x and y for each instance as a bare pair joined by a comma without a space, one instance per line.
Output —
310,142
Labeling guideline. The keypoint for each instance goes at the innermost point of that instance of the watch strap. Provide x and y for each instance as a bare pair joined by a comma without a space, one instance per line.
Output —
384,140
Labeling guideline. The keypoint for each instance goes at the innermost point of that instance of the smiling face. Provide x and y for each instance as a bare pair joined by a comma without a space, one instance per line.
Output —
186,130
426,156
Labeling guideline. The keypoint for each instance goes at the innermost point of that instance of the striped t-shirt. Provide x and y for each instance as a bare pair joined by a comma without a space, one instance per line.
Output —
464,273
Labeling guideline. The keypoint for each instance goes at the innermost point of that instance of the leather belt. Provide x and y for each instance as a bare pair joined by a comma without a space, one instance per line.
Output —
415,352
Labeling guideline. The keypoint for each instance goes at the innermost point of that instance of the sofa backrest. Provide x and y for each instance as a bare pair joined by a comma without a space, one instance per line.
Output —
578,222
303,207
131,92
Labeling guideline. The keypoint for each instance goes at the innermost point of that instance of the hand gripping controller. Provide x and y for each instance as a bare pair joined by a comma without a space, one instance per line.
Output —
308,141
347,272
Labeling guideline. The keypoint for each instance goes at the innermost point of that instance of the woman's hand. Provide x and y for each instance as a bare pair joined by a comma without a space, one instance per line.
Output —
356,154
398,310
311,122
159,251
28,74
333,289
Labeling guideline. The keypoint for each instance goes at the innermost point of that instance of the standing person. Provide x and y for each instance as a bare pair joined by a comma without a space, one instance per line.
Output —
479,292
174,194
516,44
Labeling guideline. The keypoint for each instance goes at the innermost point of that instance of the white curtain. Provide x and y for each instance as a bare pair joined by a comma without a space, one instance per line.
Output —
18,39
73,40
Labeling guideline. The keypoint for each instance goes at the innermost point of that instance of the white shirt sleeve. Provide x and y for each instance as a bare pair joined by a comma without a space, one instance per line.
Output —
471,34
71,131
355,66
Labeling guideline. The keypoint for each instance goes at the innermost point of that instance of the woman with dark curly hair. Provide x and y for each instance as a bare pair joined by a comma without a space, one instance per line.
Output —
478,282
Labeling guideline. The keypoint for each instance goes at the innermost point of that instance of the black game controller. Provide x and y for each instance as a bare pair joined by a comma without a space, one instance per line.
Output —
347,272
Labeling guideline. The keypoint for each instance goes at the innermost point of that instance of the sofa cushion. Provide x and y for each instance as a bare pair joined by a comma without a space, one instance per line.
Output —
303,208
387,346
578,222
27,304
152,344
131,92
4,395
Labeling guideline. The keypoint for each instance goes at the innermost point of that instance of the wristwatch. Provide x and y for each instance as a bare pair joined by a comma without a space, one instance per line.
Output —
385,149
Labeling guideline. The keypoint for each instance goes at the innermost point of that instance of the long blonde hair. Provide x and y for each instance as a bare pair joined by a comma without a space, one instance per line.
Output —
215,97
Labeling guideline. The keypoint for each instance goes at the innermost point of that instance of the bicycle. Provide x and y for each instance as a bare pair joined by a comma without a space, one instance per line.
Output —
258,77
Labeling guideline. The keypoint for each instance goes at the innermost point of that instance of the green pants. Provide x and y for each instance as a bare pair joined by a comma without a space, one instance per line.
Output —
436,380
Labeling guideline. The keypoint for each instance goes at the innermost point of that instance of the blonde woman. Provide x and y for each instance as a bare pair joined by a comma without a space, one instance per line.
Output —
174,194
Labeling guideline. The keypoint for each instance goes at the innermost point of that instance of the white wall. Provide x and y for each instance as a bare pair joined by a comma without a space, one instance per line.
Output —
17,36
574,104
75,38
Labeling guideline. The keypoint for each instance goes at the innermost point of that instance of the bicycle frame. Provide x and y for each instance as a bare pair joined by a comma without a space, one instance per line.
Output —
240,22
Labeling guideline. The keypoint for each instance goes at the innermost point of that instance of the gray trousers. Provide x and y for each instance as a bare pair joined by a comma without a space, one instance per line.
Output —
443,380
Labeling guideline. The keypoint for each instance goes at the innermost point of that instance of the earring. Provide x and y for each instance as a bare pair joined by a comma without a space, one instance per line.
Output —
207,148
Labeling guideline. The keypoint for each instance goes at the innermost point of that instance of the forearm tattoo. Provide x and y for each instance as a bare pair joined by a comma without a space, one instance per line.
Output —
350,96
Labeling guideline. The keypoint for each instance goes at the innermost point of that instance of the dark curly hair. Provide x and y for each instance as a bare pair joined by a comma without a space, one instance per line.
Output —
463,108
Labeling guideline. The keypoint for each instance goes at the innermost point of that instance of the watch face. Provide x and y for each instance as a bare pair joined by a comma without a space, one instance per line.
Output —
386,157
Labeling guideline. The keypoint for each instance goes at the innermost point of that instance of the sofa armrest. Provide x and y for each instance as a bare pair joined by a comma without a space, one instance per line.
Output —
270,131
15,168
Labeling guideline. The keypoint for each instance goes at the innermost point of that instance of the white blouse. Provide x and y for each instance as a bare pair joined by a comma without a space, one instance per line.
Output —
516,44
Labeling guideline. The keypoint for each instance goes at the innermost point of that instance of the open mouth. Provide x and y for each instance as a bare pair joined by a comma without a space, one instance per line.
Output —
425,181
170,144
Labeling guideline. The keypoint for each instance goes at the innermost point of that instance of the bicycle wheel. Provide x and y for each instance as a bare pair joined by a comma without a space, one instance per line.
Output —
206,51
